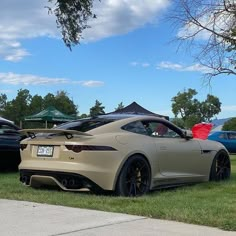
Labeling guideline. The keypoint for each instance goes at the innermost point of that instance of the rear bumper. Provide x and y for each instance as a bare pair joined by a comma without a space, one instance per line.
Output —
100,170
64,180
100,167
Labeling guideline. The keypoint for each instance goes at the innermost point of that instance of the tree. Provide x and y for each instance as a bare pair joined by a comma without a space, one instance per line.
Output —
179,122
97,109
72,17
18,108
210,107
193,111
62,102
36,104
208,27
184,105
65,104
83,116
24,104
49,100
120,106
230,125
3,102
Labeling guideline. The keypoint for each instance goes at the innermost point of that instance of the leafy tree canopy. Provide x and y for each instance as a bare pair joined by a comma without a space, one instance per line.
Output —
65,103
16,109
179,122
97,109
3,102
72,17
119,106
230,125
24,104
83,116
36,104
193,111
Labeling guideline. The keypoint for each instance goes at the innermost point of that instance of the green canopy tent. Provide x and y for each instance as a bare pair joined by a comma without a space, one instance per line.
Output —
49,115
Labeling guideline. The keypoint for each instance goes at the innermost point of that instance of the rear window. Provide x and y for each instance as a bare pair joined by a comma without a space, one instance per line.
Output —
84,125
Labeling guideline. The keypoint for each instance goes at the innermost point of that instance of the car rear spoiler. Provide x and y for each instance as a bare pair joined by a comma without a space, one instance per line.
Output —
68,133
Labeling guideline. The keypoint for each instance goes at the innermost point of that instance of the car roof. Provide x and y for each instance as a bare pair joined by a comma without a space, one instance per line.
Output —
123,120
114,117
5,122
118,116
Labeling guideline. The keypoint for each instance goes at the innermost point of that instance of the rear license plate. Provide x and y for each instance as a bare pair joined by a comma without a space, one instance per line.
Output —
45,151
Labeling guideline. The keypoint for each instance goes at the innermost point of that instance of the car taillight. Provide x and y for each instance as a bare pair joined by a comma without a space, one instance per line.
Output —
23,146
80,148
74,148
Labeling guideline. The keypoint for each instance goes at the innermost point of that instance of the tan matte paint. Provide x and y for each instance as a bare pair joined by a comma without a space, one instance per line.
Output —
172,160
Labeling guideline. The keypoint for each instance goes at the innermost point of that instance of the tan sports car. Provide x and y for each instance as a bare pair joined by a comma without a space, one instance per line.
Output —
126,154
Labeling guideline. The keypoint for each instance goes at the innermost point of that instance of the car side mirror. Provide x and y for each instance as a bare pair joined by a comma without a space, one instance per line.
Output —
188,134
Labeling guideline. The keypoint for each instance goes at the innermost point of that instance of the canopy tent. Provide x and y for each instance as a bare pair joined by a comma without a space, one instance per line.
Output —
135,108
49,115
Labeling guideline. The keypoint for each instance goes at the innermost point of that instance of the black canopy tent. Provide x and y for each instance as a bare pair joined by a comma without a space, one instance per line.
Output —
135,108
49,115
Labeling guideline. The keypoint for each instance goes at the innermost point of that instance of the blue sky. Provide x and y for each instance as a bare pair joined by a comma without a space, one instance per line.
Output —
127,55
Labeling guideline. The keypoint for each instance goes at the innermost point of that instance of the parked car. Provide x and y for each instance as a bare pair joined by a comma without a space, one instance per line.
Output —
227,138
127,155
9,145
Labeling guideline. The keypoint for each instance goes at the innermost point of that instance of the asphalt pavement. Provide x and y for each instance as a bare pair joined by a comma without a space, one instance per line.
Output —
20,218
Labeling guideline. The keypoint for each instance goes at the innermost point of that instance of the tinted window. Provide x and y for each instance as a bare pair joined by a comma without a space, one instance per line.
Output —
84,125
135,127
232,136
5,128
222,136
158,129
151,128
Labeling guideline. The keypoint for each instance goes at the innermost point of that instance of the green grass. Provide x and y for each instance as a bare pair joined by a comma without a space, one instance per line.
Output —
211,204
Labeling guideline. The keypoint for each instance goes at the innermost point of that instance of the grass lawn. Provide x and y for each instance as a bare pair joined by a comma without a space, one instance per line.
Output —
211,204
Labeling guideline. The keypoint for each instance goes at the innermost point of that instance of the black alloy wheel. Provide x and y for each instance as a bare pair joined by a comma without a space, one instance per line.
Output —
221,167
135,177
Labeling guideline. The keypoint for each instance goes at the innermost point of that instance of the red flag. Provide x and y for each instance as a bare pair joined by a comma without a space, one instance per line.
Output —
201,130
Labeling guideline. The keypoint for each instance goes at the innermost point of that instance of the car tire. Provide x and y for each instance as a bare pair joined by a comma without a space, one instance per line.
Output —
221,167
135,177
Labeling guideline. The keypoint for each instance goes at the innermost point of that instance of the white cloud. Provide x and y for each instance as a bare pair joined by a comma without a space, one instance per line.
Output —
229,108
190,29
91,83
116,17
215,18
143,64
23,19
26,19
169,65
134,63
6,91
12,52
27,79
180,67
